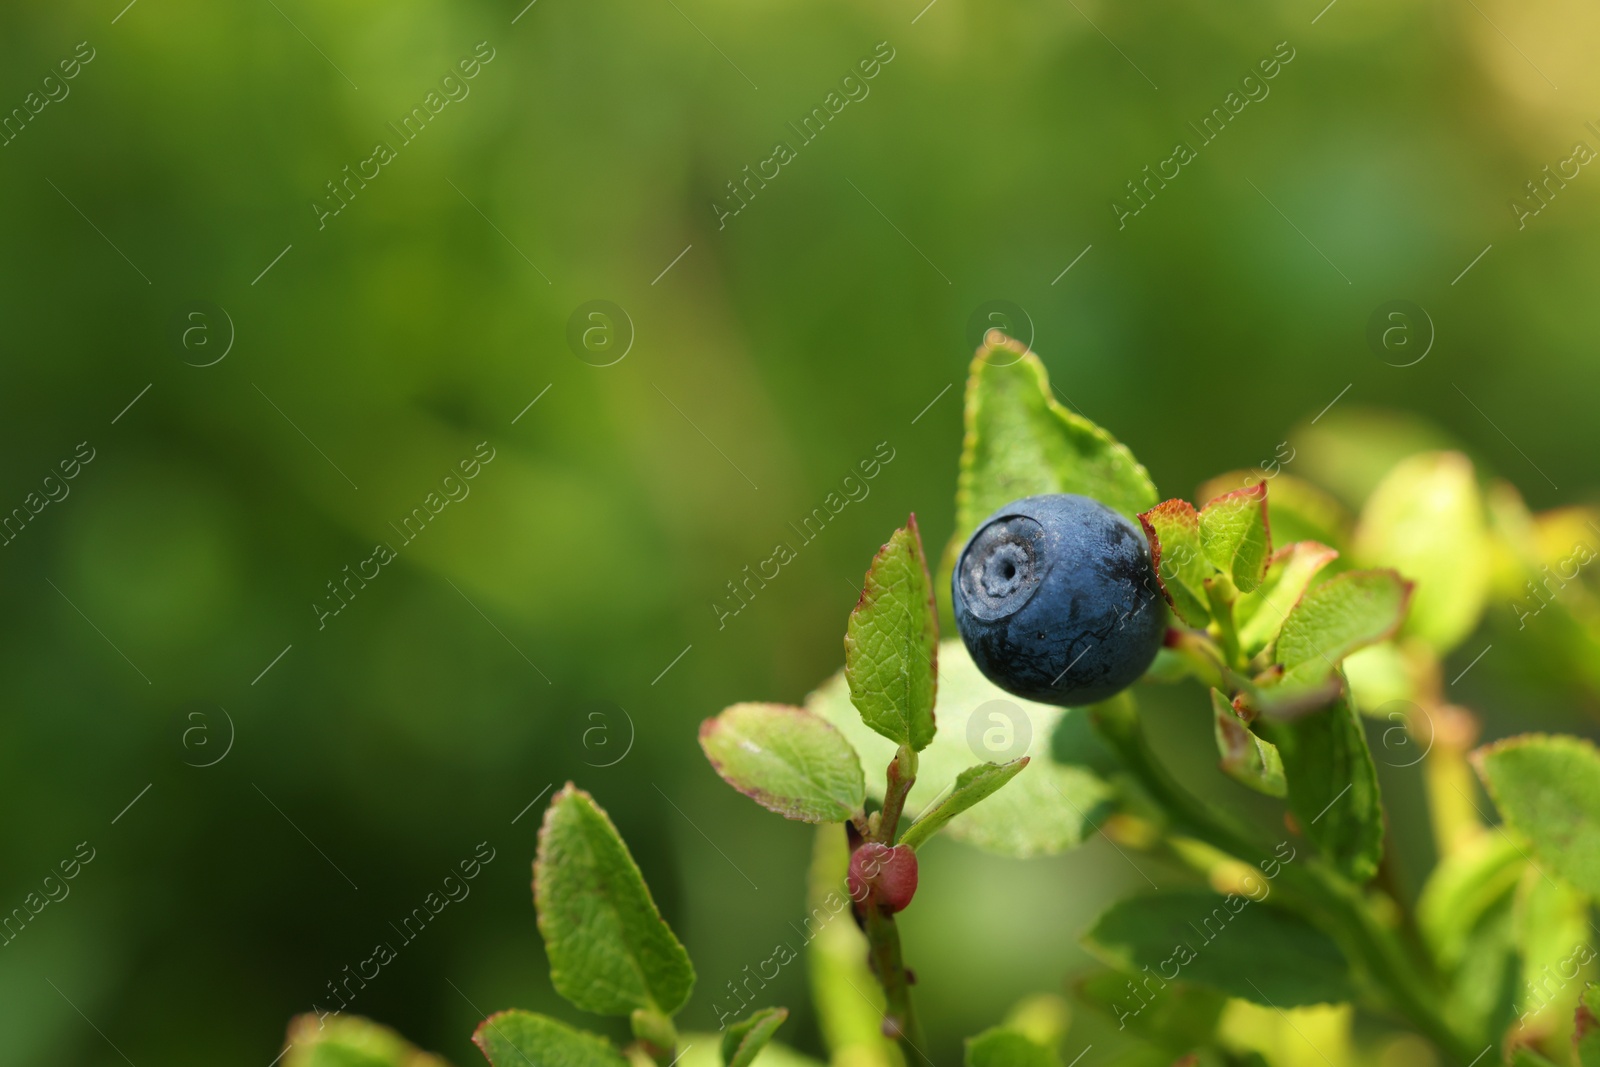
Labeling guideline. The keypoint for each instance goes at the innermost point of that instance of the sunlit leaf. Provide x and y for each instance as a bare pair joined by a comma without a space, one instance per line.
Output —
1260,614
1173,528
891,643
1332,620
519,1038
1300,510
610,951
1003,1047
970,786
1049,809
1548,789
743,1041
786,759
1426,520
1020,441
351,1041
1235,537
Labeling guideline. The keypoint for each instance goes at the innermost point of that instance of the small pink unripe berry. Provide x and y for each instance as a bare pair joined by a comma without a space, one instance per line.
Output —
888,875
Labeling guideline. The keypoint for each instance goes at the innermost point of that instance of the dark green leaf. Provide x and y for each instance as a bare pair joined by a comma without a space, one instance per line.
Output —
1332,620
1173,528
787,759
1235,537
351,1041
1244,948
1246,758
1548,789
1001,1047
610,951
521,1038
891,643
970,786
745,1039
1527,1057
1333,785
1175,1016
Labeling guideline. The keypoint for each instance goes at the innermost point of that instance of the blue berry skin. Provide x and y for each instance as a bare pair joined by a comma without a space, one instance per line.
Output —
1057,602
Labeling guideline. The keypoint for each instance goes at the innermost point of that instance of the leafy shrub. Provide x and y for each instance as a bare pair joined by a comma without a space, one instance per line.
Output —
1305,624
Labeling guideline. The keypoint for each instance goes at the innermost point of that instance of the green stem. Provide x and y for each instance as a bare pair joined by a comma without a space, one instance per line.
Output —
883,952
901,777
1333,900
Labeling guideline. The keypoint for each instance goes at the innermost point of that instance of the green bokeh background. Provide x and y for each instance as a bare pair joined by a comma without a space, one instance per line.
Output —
830,315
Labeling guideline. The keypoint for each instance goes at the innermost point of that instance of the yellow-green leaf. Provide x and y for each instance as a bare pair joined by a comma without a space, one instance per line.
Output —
520,1038
351,1041
1332,620
787,760
1260,614
1173,528
1004,1047
970,786
1547,787
1235,537
1050,809
891,643
743,1041
1426,520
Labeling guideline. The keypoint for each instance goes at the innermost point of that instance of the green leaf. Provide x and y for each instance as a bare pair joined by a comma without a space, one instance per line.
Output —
610,951
1235,537
891,643
1174,1016
1261,613
1002,1047
786,759
1173,528
745,1039
1048,810
970,786
702,1050
1527,1057
1020,442
1481,999
1548,789
1246,758
1586,1032
1245,948
1550,925
519,1038
1332,620
351,1041
1300,510
1462,889
1333,785
1426,520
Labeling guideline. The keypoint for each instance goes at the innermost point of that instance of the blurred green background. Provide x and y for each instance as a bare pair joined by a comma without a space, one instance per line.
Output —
526,636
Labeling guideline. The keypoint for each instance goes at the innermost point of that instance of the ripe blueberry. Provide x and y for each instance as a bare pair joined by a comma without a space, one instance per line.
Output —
889,875
1056,600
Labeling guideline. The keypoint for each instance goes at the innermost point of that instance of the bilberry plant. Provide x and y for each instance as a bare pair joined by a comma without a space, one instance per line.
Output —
1069,579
